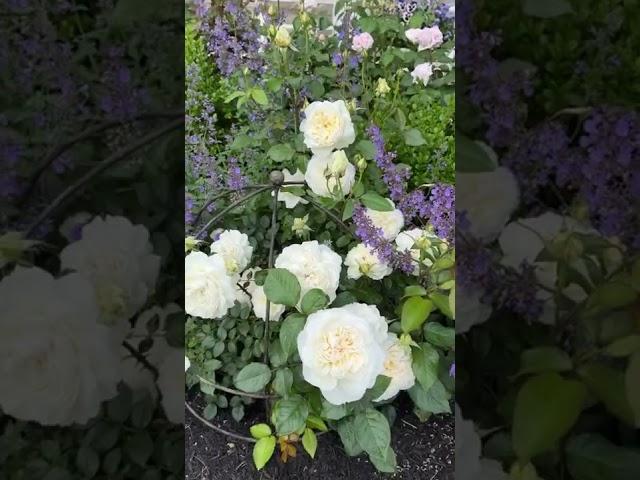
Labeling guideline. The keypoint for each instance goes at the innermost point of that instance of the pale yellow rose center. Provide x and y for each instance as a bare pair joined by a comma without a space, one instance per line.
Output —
340,352
324,126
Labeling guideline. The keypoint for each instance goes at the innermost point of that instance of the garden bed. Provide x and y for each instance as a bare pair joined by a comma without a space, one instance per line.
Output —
424,450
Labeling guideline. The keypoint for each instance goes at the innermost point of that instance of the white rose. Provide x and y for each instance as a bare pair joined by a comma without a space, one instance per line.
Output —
471,310
488,200
290,200
342,351
469,464
422,73
361,260
314,265
118,259
235,250
397,366
389,222
209,291
322,181
417,240
53,348
327,126
524,239
187,363
134,373
171,385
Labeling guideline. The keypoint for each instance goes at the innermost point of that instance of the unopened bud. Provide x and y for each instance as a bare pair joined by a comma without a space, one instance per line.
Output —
339,164
361,162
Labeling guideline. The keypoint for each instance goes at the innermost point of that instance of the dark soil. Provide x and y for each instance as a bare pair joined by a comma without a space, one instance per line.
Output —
424,451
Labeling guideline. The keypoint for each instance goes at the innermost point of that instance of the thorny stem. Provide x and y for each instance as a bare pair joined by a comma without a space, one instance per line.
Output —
101,167
238,202
234,391
90,132
218,429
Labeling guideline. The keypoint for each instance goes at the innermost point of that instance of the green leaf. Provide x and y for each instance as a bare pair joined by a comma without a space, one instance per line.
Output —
442,303
349,206
289,331
414,291
233,96
414,313
139,447
546,408
334,412
260,430
253,378
472,157
544,359
425,365
283,382
439,335
310,442
379,387
610,296
347,432
317,423
632,383
367,149
210,411
546,8
623,347
274,84
314,300
434,400
282,287
593,457
372,430
87,461
259,96
263,450
376,202
290,414
384,461
608,386
413,137
281,153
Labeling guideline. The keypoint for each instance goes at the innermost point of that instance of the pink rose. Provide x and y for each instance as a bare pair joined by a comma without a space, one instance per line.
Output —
425,38
362,42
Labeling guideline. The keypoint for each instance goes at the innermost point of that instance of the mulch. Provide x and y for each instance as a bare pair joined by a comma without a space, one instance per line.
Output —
424,451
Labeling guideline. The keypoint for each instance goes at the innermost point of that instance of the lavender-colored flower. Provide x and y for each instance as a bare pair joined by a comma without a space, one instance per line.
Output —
235,179
336,59
441,210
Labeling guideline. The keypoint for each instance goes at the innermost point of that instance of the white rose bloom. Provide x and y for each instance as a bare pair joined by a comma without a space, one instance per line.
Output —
290,200
422,73
471,311
53,348
235,250
327,126
315,266
524,239
171,385
413,240
322,181
342,351
134,373
209,291
397,366
469,464
488,200
361,260
118,259
389,222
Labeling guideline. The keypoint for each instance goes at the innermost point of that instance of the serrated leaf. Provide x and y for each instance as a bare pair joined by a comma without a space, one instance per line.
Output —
283,382
413,137
425,364
314,300
415,311
372,430
253,377
259,96
289,331
260,430
281,153
376,202
282,287
290,414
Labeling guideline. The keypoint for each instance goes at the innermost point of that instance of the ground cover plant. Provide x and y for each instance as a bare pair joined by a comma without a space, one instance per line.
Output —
319,277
